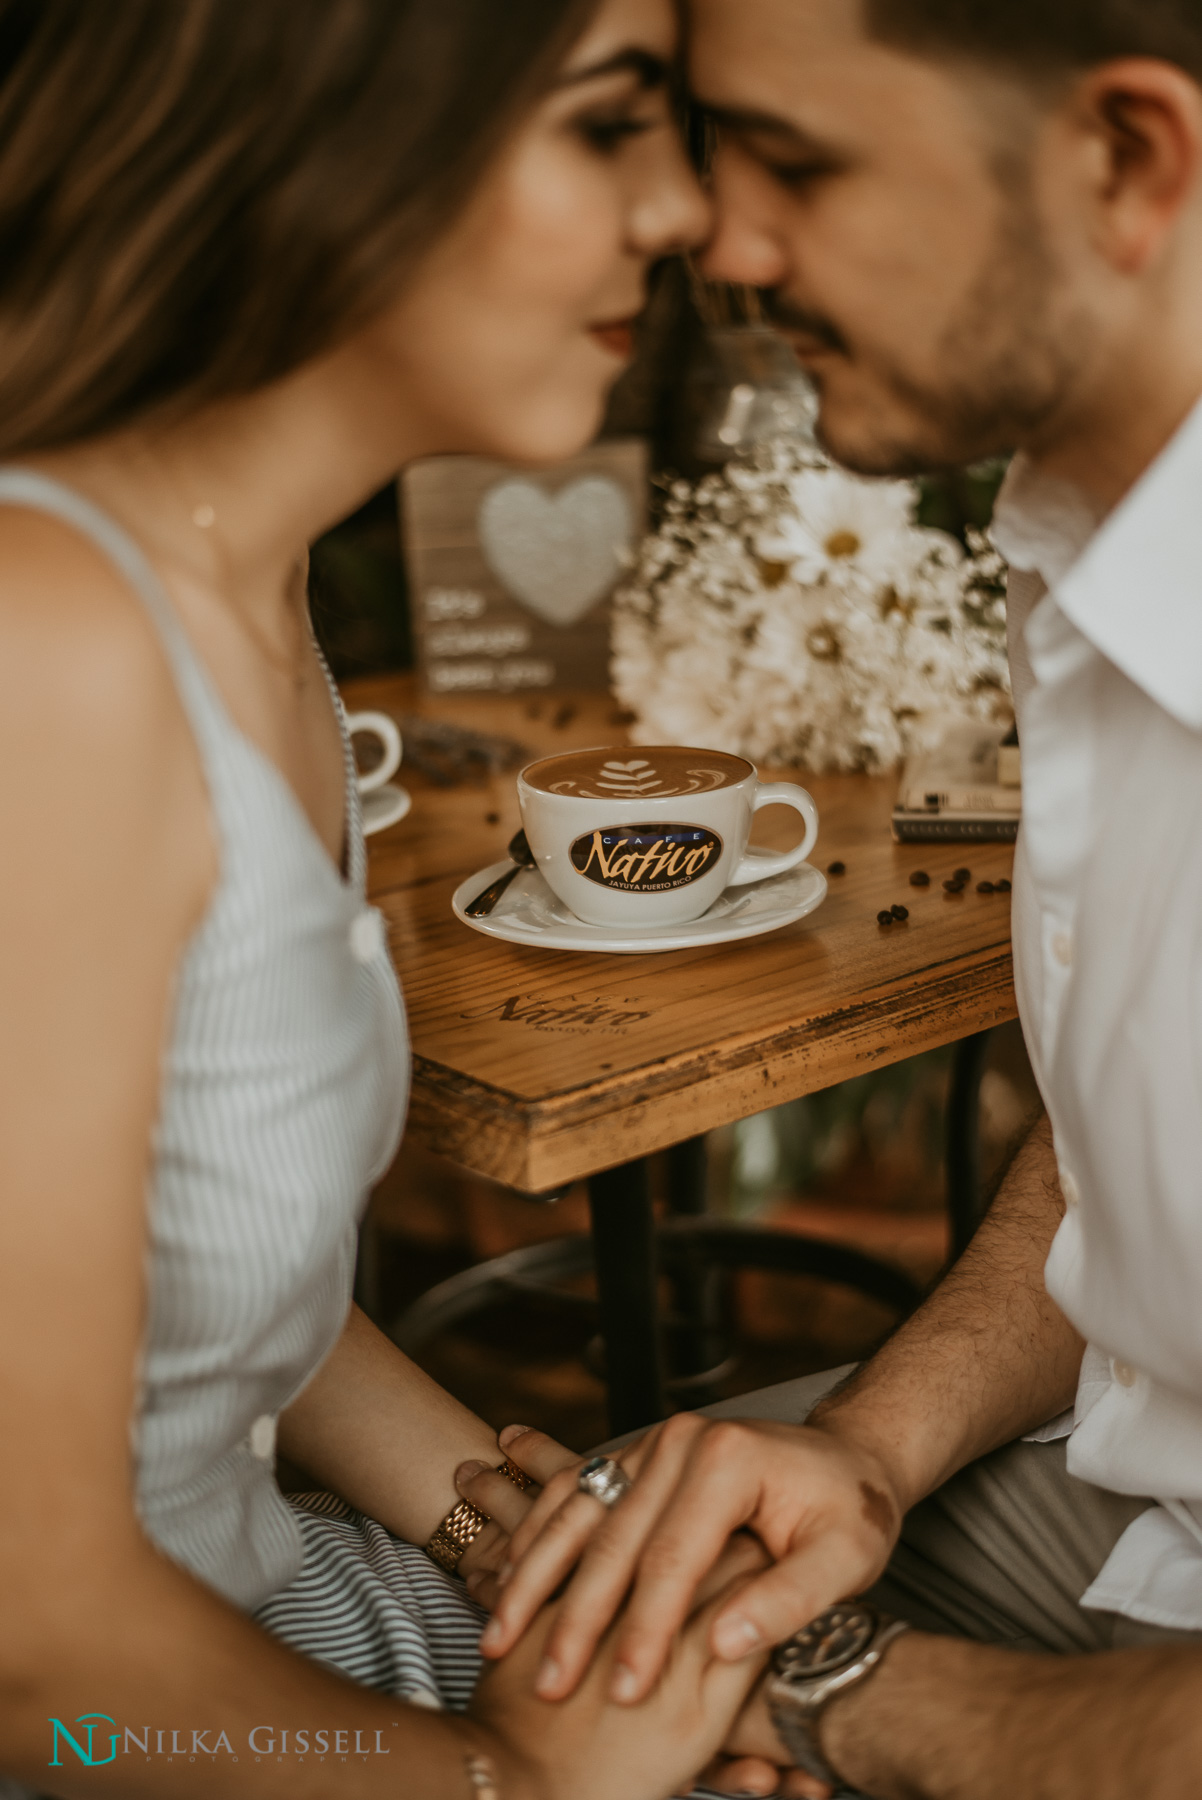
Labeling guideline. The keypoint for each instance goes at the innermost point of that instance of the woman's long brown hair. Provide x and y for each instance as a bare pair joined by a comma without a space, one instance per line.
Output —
199,196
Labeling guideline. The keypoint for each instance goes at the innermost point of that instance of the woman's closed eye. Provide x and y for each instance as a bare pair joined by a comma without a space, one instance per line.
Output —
606,131
802,174
633,99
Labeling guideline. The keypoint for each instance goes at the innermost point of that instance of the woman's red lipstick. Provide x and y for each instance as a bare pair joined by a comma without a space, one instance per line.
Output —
618,337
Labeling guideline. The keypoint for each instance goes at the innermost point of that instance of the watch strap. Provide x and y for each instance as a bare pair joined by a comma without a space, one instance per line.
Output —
797,1734
797,1707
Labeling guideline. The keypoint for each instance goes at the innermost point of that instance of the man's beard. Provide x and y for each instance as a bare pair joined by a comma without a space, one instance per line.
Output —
1007,361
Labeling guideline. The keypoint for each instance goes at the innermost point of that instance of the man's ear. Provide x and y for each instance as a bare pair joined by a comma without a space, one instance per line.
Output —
1145,118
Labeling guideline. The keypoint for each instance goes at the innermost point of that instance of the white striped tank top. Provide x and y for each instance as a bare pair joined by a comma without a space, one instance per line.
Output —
283,1096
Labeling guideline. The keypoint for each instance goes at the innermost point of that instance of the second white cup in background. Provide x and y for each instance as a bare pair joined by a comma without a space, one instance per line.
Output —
383,804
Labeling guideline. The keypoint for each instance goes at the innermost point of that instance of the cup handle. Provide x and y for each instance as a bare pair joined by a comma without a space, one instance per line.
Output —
759,865
381,726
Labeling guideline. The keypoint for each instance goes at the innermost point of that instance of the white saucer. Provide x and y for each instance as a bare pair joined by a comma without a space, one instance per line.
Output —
383,807
529,913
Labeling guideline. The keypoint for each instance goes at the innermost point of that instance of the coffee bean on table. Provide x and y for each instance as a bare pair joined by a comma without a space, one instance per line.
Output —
963,875
901,914
492,818
985,887
836,868
920,878
1003,887
884,918
953,888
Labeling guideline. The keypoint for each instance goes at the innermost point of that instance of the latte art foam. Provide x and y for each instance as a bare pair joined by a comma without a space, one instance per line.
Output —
660,774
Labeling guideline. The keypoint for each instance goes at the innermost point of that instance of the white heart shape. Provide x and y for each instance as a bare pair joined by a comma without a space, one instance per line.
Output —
559,555
617,768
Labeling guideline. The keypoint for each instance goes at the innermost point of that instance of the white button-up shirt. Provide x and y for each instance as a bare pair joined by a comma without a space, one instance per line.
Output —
1106,653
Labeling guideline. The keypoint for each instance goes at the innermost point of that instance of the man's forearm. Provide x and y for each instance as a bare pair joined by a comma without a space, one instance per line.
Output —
946,1720
988,1357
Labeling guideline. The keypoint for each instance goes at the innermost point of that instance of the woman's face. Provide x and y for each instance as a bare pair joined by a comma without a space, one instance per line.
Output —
511,336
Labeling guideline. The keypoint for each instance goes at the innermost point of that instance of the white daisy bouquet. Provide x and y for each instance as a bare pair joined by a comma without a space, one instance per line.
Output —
791,613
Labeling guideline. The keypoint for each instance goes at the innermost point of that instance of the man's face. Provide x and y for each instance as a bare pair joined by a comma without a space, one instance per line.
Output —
898,211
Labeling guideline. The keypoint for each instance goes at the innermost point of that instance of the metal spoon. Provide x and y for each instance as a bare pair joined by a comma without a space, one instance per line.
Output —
523,858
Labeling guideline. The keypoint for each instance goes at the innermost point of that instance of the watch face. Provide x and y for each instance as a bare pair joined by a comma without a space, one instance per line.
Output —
835,1639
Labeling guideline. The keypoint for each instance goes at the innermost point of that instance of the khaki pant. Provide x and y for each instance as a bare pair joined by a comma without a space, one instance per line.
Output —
1003,1553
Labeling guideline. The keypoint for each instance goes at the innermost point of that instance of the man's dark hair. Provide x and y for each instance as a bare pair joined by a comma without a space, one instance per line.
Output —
1043,38
198,196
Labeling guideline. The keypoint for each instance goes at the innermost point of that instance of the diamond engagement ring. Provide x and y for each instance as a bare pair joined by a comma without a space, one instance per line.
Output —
605,1480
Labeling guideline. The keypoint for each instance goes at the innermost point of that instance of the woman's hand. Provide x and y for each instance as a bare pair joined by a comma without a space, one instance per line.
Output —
587,1748
506,1506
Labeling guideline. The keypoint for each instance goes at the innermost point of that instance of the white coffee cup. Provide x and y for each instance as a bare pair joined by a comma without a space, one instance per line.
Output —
378,725
652,836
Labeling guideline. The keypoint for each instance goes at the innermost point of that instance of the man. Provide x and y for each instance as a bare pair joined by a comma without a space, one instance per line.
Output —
981,222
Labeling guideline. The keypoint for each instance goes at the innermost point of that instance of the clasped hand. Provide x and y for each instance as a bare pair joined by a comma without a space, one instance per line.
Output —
822,1507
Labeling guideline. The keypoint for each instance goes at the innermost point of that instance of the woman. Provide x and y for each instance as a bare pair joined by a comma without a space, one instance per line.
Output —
254,256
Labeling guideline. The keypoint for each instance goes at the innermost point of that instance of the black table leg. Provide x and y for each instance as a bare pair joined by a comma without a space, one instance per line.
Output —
624,1255
964,1199
696,1340
688,1178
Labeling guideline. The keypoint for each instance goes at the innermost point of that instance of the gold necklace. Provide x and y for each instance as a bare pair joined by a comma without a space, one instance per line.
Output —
295,667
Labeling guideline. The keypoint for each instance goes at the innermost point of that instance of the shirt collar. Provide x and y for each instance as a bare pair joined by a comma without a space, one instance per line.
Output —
1131,584
1040,523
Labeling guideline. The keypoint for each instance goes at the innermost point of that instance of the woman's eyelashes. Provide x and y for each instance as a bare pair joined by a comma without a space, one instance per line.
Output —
606,133
800,174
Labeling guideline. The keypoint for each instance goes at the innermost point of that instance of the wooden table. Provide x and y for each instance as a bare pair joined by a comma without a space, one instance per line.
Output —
542,1068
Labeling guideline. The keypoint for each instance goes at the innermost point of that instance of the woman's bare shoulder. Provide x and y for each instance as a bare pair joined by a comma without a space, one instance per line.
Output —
89,709
71,627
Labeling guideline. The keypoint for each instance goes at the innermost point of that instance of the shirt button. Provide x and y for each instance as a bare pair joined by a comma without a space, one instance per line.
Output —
1070,1190
1062,949
1124,1374
367,935
262,1437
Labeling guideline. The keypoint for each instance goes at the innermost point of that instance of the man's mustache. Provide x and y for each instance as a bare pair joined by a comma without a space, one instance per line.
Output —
786,315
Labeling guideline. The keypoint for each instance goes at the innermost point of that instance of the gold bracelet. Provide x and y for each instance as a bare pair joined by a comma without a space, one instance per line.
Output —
482,1774
460,1528
519,1477
463,1525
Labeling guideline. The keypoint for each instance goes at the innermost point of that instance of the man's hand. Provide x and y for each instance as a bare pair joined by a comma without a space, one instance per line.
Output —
823,1507
986,1358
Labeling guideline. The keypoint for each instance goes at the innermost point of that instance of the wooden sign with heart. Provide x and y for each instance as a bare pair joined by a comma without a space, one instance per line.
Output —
558,554
511,571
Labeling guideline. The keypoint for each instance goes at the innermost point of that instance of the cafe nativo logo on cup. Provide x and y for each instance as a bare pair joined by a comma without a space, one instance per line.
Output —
646,859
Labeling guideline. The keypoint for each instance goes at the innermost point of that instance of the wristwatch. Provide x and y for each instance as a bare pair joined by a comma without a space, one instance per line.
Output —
839,1650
